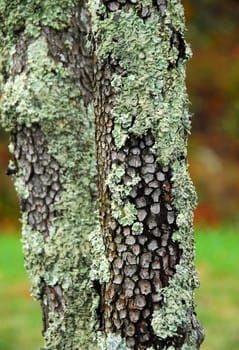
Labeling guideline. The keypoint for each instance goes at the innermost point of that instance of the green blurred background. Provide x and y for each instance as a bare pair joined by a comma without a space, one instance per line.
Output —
213,85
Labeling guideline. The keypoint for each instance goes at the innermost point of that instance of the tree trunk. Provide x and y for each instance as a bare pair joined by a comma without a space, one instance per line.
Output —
141,296
46,104
146,196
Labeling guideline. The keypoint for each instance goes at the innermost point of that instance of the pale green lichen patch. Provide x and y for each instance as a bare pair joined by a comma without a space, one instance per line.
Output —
31,15
137,228
68,246
151,95
21,188
42,93
33,247
115,342
100,269
122,210
175,15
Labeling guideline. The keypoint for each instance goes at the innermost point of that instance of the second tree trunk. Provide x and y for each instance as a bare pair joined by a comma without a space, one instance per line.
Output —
145,193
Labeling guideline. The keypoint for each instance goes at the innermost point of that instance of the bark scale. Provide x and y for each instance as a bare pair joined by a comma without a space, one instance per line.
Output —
146,196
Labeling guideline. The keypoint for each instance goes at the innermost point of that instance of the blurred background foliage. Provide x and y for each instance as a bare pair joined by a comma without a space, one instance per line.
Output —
213,85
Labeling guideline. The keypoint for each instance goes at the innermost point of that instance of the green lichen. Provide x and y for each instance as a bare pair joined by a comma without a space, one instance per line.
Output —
137,228
100,269
41,94
28,17
31,15
115,342
122,210
21,189
33,246
151,94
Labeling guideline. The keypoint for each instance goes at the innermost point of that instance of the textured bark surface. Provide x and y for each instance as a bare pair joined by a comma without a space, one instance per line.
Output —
41,178
141,262
52,140
138,229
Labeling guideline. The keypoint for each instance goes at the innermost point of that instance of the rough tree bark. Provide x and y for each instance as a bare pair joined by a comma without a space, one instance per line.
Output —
46,104
146,196
135,291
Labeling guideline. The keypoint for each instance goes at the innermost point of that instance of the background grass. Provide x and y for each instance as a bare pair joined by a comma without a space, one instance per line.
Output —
217,299
218,296
20,318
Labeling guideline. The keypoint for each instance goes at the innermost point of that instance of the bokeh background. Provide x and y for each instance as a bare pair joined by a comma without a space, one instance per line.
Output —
213,85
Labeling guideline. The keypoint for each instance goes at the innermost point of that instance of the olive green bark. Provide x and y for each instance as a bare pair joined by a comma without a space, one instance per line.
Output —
46,104
146,197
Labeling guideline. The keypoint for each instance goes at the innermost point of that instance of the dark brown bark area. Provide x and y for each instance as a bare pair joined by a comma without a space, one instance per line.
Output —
41,179
40,174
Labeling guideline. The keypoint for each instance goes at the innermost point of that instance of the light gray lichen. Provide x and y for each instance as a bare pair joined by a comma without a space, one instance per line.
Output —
115,342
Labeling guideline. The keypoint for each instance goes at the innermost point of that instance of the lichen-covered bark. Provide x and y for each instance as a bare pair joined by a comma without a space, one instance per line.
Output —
146,196
141,296
46,104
